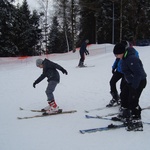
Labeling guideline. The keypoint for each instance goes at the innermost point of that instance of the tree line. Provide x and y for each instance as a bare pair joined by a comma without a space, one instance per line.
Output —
26,33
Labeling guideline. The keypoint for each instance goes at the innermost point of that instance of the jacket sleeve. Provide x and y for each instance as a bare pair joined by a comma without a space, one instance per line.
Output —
115,64
134,76
56,66
40,79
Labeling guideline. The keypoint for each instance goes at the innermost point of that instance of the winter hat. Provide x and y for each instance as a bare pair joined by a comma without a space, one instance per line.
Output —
39,62
119,48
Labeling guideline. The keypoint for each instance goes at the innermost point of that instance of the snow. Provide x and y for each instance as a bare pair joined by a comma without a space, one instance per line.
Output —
82,89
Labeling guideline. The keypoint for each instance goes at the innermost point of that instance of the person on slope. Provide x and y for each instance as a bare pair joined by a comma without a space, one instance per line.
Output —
50,71
136,81
83,51
117,75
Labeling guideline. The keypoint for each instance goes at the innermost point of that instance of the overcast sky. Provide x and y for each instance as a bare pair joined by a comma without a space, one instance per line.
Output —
33,4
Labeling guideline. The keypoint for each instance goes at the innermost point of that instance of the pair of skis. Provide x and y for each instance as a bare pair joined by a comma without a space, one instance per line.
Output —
109,127
60,111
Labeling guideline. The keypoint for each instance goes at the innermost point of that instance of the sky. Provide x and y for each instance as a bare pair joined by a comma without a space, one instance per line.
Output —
34,4
82,89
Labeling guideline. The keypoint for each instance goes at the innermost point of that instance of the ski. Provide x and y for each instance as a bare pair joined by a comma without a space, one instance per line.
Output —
45,114
108,115
33,110
109,127
86,66
101,108
104,118
97,117
148,107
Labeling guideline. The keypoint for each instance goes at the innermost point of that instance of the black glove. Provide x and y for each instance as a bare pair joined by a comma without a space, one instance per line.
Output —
113,71
34,85
86,52
64,71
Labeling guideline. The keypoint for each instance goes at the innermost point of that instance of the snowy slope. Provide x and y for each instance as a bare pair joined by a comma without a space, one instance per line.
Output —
81,89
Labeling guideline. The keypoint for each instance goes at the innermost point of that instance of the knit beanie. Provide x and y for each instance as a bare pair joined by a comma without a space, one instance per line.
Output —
119,48
39,62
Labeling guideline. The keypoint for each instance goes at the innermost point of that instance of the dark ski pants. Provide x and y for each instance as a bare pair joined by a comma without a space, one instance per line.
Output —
130,97
50,89
82,57
114,79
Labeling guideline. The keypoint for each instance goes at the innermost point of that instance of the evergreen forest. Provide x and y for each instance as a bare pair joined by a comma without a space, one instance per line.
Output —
26,32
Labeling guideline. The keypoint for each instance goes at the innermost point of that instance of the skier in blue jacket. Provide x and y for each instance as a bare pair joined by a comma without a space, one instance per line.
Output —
135,78
117,75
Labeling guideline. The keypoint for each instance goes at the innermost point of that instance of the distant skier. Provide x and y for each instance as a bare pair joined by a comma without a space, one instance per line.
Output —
83,51
49,71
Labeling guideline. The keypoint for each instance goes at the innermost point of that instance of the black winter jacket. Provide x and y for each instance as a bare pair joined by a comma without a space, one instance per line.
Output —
83,48
50,71
132,68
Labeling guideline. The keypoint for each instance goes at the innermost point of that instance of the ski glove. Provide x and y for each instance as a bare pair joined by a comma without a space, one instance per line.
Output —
34,85
64,71
86,52
113,71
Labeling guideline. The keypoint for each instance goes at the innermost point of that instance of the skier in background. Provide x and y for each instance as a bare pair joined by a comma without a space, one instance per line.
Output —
83,51
53,78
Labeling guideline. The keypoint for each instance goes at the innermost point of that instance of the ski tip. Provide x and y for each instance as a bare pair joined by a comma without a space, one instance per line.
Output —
20,108
86,116
81,131
86,111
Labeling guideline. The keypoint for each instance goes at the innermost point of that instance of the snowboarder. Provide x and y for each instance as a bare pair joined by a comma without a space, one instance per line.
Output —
49,71
135,77
83,51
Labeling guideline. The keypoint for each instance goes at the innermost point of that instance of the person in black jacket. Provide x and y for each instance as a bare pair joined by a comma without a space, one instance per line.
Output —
83,51
53,78
135,77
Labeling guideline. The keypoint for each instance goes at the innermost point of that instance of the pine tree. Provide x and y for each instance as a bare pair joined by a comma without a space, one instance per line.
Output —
7,46
26,29
54,41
